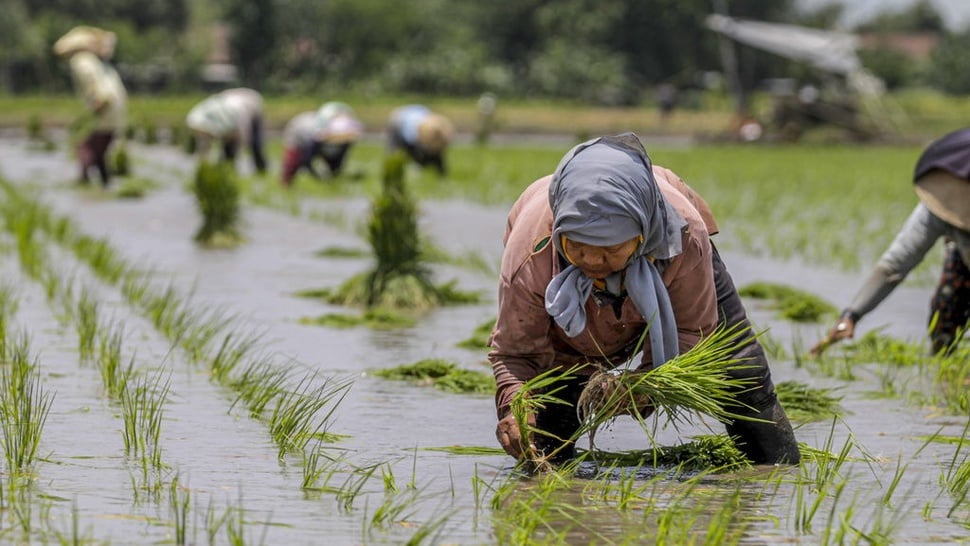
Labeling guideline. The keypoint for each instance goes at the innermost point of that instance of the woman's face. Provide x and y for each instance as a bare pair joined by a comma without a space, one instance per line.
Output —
599,262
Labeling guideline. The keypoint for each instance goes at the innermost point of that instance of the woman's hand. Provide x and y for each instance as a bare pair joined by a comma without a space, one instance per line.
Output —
843,329
510,437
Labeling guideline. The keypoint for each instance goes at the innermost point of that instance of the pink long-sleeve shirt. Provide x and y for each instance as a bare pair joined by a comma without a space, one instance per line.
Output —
526,341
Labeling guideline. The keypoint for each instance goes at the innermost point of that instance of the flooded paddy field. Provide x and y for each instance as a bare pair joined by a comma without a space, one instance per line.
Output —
386,462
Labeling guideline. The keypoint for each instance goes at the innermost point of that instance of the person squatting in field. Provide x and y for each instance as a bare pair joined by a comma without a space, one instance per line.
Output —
424,135
327,133
941,180
88,50
595,252
234,117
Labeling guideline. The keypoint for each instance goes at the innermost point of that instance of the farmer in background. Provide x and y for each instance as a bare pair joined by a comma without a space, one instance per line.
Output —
595,252
423,134
327,133
88,50
233,117
942,183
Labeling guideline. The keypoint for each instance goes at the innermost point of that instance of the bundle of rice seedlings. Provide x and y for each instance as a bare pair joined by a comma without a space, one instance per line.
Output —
806,404
217,194
695,381
119,163
791,303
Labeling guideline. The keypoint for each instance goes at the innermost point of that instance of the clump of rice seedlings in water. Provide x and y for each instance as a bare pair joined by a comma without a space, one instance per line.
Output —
807,404
710,452
142,407
118,162
695,381
399,279
304,413
791,303
480,336
217,195
377,319
24,407
442,374
134,188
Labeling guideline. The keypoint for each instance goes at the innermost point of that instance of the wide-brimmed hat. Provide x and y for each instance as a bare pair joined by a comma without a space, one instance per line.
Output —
434,133
341,129
947,196
86,38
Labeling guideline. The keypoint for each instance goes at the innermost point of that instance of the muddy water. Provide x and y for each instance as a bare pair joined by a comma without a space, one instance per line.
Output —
228,461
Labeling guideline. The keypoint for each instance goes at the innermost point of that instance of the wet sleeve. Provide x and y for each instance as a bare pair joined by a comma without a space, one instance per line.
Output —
521,346
912,242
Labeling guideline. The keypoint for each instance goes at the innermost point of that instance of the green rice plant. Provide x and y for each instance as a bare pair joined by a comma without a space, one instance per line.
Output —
86,323
179,503
114,376
806,404
341,252
24,407
260,383
876,347
473,451
952,374
535,395
397,508
442,374
352,486
956,480
73,536
696,381
118,162
142,408
480,336
107,264
230,354
710,453
217,195
791,303
319,465
134,188
304,413
376,319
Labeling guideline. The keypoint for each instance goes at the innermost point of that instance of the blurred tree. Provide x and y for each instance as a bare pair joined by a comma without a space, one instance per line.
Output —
919,17
253,37
949,62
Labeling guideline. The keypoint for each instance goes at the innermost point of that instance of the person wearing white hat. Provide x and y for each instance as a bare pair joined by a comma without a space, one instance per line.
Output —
327,133
942,183
87,50
424,135
234,117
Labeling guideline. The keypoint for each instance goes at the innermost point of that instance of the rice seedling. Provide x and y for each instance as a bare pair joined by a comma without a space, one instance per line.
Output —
118,161
179,502
710,453
114,376
230,354
260,383
376,319
217,195
480,336
399,279
791,303
341,252
73,535
303,414
806,404
134,187
24,407
101,257
473,451
442,374
695,381
87,323
142,407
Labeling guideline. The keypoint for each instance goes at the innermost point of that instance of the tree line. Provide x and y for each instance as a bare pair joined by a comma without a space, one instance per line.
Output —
606,52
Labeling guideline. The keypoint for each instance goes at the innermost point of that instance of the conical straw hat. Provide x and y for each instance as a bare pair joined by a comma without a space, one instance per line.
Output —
86,38
947,196
434,133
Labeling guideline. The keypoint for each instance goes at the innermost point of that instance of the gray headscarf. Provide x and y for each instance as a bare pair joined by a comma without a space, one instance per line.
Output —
603,193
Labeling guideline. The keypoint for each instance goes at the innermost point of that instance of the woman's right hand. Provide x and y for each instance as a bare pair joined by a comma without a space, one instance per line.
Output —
843,329
510,437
